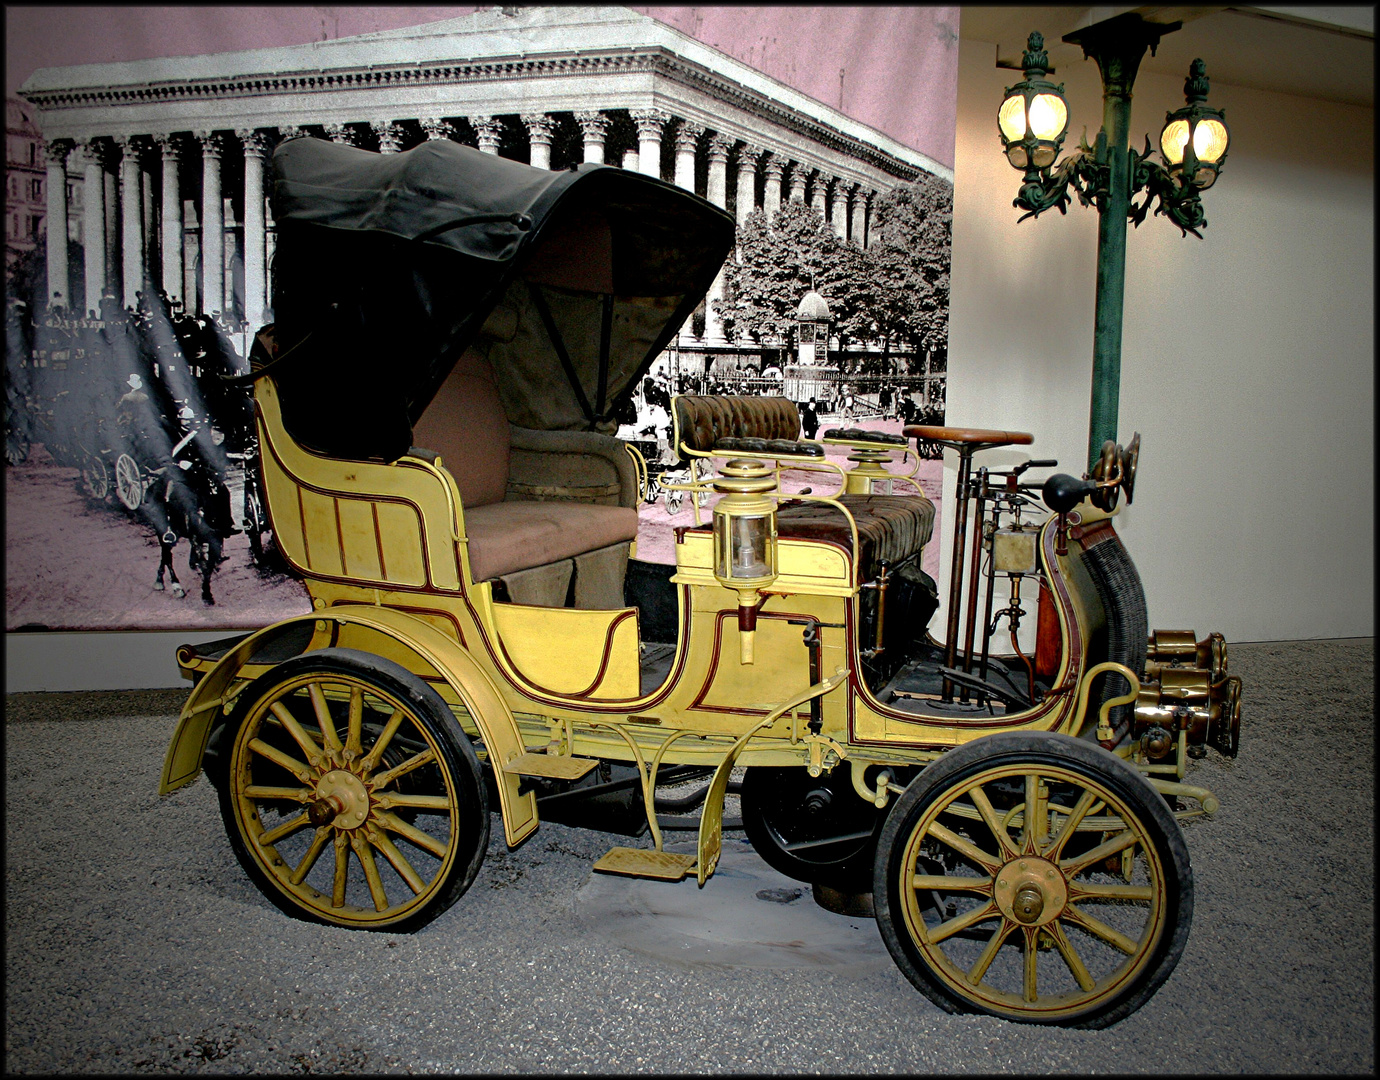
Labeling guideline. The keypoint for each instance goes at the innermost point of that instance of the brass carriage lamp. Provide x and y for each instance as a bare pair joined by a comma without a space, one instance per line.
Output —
745,540
1033,117
1195,138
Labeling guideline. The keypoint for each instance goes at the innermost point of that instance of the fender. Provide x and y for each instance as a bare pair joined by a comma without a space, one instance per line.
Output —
432,650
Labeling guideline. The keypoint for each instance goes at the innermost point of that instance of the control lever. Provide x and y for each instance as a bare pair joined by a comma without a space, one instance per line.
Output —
1044,463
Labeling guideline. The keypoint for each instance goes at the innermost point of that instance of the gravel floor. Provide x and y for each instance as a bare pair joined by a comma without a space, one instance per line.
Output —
135,943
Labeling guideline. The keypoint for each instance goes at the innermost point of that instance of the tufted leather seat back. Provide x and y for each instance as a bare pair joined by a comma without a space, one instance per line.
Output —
701,420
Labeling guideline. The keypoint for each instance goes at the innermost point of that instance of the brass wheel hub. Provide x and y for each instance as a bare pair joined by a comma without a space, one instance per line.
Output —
341,799
1031,891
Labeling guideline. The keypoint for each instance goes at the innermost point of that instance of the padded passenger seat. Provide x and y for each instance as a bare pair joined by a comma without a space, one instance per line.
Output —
891,528
465,423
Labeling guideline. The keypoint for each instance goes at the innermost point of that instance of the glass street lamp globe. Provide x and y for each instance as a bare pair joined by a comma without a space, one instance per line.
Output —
1033,117
1194,140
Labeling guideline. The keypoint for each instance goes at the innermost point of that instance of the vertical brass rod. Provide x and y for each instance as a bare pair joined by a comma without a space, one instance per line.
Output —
974,577
965,461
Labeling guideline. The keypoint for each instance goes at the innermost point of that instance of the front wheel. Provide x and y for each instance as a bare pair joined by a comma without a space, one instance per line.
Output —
129,486
95,477
1035,877
342,754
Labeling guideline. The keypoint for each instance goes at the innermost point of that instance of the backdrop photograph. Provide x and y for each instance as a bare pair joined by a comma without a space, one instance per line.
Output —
140,244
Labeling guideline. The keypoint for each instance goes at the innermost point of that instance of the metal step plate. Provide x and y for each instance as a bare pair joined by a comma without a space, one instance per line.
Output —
640,862
554,766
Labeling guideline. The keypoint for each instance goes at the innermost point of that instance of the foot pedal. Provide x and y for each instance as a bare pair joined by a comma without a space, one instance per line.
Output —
551,766
639,862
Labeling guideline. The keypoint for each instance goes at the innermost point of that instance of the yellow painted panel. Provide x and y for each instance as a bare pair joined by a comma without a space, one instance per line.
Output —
323,541
561,650
360,542
781,668
401,530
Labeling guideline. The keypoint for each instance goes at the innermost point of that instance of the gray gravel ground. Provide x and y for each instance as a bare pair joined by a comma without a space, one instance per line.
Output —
134,942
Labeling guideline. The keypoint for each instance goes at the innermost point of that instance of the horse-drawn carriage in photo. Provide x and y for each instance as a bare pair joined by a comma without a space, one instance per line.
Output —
454,335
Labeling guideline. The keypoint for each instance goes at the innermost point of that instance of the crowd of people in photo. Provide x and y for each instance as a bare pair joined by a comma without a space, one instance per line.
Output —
136,400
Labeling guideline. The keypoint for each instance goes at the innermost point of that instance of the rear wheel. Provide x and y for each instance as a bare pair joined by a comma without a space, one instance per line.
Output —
1034,877
811,828
95,477
351,795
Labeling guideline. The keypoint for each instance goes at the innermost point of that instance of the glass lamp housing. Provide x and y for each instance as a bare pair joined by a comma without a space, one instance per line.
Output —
1195,138
745,540
1033,117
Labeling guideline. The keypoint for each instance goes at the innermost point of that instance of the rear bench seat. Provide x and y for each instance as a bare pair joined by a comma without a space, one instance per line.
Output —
891,528
538,506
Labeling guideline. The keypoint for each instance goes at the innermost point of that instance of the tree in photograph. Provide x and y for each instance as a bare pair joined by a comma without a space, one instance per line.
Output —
913,235
777,263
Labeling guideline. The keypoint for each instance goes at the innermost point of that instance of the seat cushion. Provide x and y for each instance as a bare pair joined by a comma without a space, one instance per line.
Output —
509,536
890,527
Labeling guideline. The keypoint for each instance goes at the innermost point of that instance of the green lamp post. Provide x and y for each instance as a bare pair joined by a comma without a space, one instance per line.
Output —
1033,120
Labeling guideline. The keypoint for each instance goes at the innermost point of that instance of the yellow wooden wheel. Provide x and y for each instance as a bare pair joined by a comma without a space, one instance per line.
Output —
1034,877
351,795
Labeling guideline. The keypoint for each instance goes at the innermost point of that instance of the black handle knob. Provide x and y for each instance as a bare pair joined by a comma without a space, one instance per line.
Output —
1063,492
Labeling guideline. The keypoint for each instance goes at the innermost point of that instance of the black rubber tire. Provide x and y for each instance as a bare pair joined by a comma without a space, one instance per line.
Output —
776,807
1072,756
454,772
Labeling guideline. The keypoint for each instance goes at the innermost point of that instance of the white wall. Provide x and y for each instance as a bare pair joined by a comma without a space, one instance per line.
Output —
1247,356
1247,365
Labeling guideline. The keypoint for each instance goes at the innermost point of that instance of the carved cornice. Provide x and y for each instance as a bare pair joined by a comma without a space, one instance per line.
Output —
653,60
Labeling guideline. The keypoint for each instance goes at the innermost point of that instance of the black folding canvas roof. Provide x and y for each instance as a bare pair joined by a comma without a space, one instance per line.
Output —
387,267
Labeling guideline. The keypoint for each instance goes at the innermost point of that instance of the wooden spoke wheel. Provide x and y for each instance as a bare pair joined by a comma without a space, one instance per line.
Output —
811,828
129,486
351,795
1034,877
95,477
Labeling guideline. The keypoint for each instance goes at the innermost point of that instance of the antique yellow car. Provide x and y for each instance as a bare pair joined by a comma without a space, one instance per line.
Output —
453,334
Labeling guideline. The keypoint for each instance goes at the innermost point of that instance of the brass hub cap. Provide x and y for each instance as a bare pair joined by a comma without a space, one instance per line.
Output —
346,794
1031,891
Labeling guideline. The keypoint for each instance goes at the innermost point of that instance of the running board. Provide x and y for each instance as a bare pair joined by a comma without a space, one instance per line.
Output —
645,863
551,766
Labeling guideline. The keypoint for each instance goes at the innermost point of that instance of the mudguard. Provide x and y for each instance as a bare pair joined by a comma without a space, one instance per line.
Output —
432,649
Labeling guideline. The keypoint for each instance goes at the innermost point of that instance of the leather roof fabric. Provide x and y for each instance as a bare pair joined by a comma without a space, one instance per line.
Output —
570,282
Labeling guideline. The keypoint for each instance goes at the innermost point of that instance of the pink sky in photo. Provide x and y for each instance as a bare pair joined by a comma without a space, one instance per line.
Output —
892,68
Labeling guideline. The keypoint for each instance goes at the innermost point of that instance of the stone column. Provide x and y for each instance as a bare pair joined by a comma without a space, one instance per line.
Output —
340,133
109,155
539,128
59,287
132,222
632,161
839,213
817,193
773,167
798,182
650,125
148,217
687,141
212,225
747,181
869,201
717,192
390,136
436,128
172,217
859,232
490,132
255,233
93,225
594,127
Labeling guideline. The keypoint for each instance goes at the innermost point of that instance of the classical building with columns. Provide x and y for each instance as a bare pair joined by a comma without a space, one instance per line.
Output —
170,154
